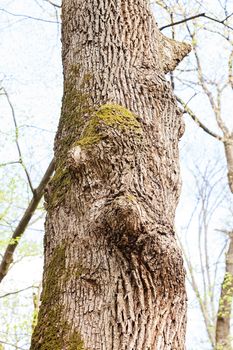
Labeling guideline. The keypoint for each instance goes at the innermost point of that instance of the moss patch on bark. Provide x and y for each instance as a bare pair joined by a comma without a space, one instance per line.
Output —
111,115
108,115
53,331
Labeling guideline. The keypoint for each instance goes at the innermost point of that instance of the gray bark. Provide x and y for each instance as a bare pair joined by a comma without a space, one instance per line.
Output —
113,274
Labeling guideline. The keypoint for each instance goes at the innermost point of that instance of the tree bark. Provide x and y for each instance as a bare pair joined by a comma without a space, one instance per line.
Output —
228,146
223,321
113,272
223,324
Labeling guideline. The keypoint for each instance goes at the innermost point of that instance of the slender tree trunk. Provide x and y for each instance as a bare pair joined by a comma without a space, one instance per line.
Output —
228,146
223,321
223,325
113,274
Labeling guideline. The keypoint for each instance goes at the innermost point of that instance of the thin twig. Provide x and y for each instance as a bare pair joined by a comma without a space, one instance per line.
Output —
28,17
52,3
17,234
227,17
197,120
216,105
216,267
13,345
9,163
17,140
197,293
218,21
196,16
16,292
182,21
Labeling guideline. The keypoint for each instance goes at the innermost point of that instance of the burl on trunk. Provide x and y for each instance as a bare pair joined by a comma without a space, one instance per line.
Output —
113,274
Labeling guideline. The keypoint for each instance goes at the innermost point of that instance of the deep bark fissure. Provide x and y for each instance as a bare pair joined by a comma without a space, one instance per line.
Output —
112,201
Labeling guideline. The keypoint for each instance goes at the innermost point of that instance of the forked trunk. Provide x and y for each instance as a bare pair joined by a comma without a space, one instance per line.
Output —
113,274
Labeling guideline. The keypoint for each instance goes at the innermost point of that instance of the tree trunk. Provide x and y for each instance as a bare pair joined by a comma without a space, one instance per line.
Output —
228,146
223,324
223,338
113,274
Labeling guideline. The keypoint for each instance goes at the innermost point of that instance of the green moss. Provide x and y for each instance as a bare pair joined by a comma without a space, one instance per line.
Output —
76,342
131,197
88,140
55,272
112,115
52,330
226,300
56,335
228,281
116,115
61,182
76,107
48,333
79,270
76,102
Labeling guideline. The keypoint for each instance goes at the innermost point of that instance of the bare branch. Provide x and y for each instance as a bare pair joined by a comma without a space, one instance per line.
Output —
27,16
216,106
218,21
217,263
227,17
198,294
196,16
172,24
9,163
200,72
17,140
17,234
10,344
52,3
16,292
197,120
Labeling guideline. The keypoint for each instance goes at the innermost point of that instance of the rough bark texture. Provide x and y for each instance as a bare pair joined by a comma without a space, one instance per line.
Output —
223,325
228,146
114,276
